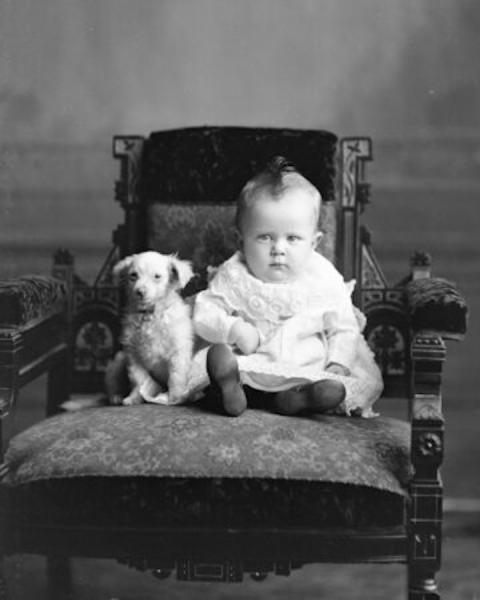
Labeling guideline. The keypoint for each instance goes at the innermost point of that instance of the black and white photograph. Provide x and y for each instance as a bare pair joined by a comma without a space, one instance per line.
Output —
239,282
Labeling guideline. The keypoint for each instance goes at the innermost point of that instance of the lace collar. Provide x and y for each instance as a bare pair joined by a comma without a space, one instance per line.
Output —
260,300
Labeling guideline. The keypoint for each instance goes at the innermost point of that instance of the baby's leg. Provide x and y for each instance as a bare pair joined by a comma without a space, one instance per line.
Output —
318,397
222,369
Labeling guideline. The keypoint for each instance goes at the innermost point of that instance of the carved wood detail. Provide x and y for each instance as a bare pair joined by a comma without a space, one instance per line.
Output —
425,512
3,581
354,194
129,150
228,571
372,274
11,348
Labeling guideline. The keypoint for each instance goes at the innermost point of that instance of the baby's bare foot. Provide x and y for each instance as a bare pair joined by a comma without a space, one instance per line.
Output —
318,397
222,369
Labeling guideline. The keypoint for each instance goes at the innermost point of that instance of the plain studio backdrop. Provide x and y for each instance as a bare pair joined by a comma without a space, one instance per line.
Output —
75,72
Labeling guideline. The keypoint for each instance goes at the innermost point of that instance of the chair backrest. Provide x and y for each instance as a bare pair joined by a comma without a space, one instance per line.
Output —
191,178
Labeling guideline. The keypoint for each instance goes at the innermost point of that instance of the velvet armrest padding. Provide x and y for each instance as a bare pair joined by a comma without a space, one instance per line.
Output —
30,297
436,304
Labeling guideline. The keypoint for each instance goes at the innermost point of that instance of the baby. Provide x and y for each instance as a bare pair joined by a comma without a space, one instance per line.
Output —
279,315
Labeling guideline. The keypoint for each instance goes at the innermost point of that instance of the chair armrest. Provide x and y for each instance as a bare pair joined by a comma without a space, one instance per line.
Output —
30,298
435,304
437,310
34,339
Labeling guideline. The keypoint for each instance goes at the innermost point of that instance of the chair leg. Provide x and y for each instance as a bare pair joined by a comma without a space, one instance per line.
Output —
59,578
422,586
3,580
58,386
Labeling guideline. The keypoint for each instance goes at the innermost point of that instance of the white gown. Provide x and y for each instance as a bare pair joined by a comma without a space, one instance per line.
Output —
303,326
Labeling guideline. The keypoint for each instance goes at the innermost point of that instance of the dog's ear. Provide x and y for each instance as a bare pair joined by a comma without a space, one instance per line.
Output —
120,268
180,272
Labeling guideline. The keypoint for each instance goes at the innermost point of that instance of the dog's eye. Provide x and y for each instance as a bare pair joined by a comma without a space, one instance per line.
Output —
133,276
157,276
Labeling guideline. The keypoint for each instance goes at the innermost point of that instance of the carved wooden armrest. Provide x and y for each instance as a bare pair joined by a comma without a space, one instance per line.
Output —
428,353
436,304
437,312
30,298
34,339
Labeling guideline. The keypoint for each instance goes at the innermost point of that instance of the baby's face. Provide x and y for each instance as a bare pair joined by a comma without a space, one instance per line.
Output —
279,235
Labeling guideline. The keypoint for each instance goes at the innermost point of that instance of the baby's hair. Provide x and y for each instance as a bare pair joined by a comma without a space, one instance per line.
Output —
276,178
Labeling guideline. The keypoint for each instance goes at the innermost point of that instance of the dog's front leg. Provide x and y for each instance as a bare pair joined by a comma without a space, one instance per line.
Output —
137,375
178,375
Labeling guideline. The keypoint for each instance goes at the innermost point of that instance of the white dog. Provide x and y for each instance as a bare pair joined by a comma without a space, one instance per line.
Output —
157,333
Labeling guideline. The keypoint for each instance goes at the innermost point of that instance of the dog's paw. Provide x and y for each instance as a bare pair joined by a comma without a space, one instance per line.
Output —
132,399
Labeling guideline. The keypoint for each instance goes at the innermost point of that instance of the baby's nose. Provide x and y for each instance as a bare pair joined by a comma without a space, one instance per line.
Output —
278,247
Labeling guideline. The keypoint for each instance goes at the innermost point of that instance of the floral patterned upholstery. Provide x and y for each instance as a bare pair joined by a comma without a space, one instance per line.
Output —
28,298
190,442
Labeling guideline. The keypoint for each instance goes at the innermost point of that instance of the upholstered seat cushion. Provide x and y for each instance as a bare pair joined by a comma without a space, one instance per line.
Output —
154,467
189,442
30,297
152,502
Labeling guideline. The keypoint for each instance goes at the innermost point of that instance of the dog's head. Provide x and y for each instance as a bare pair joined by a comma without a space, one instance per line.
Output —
150,276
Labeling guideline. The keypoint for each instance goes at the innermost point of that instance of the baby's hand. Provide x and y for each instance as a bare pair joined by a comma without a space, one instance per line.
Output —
337,369
244,336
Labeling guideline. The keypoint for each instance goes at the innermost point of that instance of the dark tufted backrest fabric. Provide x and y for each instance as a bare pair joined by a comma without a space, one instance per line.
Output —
191,179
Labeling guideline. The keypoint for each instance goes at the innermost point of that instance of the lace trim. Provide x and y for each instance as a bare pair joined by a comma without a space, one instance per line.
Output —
363,387
274,302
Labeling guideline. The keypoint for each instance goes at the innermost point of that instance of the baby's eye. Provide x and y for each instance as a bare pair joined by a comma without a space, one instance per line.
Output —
293,238
157,276
133,276
264,237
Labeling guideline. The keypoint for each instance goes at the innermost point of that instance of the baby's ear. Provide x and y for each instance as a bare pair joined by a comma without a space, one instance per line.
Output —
317,239
238,240
180,272
122,266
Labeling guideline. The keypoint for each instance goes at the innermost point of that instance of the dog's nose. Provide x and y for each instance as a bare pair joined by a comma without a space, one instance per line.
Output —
140,293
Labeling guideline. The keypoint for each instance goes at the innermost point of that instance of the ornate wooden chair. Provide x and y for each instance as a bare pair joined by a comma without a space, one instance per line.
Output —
180,488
